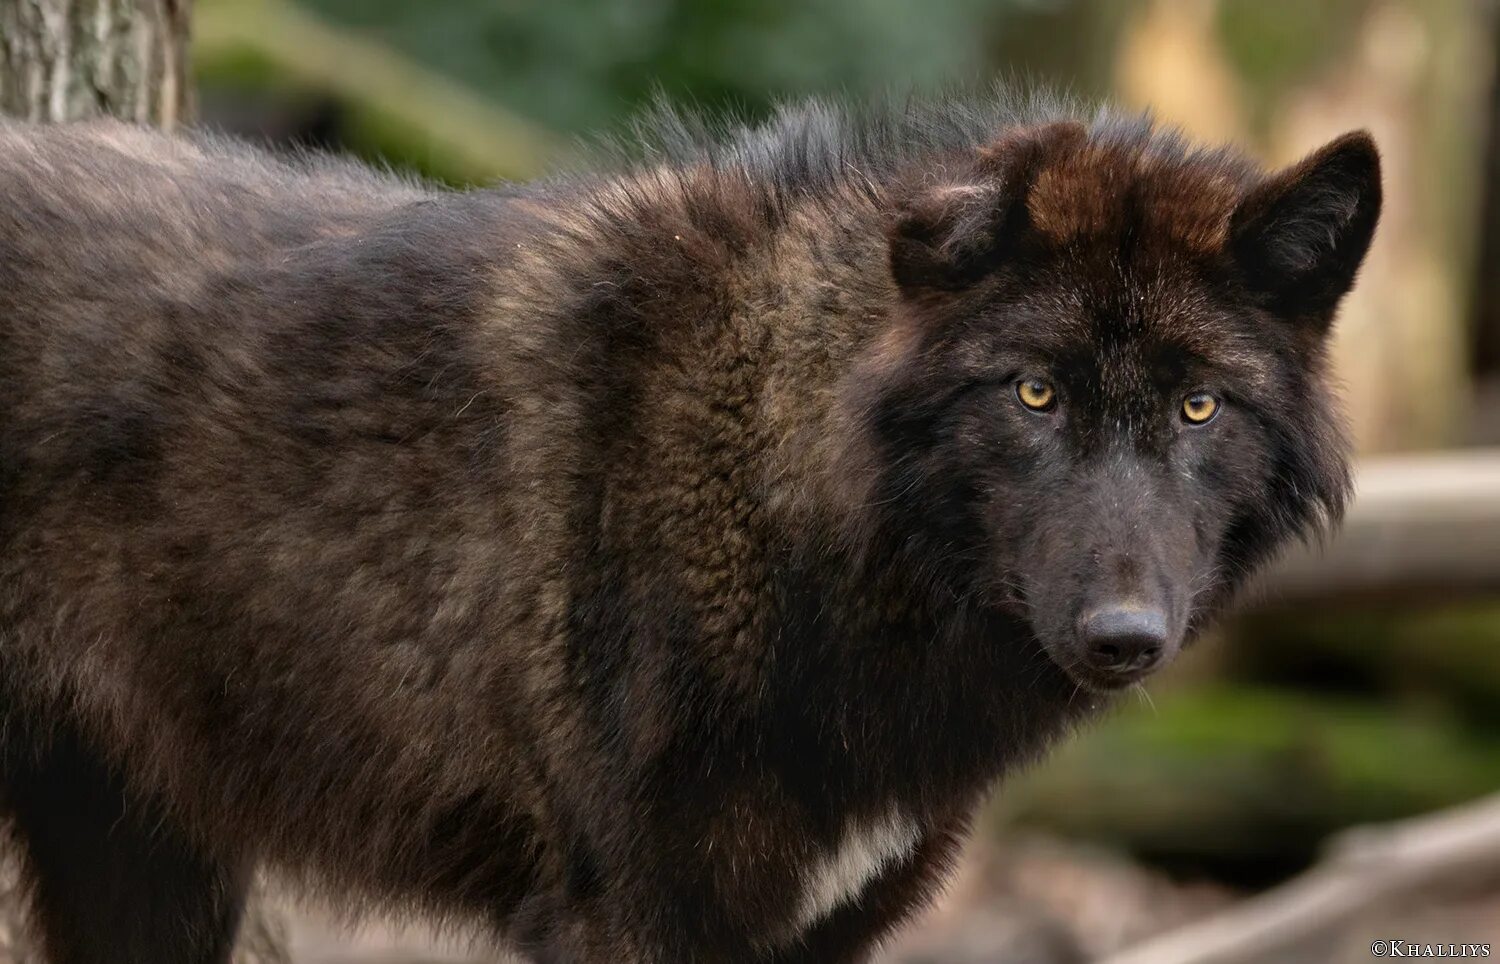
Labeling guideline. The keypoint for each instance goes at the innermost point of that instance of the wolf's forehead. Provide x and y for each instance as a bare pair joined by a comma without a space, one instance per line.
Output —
1128,334
1105,191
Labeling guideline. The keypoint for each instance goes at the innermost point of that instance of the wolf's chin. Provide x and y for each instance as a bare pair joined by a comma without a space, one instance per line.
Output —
1079,674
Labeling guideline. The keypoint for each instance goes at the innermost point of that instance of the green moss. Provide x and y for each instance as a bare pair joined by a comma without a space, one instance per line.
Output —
1447,656
1249,782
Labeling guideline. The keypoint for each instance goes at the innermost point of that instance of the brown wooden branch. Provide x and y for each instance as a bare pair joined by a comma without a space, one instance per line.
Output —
1421,527
1367,868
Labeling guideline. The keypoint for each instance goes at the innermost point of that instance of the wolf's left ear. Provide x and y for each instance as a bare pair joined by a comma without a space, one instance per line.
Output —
1299,237
947,231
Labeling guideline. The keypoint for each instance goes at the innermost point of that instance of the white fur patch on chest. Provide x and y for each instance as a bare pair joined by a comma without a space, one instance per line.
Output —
865,849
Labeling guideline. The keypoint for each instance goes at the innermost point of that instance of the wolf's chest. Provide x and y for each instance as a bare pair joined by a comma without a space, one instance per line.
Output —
864,850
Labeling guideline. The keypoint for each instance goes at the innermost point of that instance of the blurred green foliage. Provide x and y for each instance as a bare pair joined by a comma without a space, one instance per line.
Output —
1273,45
580,65
587,66
1443,658
1247,783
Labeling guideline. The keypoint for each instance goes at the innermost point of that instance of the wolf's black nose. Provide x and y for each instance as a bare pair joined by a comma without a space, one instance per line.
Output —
1123,640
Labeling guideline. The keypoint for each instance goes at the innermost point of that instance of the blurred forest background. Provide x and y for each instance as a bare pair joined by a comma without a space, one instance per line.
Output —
1335,701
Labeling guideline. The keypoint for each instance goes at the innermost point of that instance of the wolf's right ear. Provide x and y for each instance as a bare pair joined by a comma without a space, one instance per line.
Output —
946,235
1299,238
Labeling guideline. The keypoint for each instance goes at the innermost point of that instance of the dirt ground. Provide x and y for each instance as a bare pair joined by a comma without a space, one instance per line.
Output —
1026,900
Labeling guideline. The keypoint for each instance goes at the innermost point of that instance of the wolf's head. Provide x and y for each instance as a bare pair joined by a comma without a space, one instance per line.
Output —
1105,396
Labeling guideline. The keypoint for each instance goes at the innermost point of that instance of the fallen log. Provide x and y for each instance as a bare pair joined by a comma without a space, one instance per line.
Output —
1420,526
1367,868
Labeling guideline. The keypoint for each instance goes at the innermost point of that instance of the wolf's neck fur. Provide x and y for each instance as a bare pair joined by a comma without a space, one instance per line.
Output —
823,296
724,368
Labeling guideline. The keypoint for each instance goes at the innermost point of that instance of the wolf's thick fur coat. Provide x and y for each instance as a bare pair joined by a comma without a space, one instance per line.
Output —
649,565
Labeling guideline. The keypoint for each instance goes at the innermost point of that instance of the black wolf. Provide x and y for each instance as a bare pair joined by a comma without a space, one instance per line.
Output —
655,565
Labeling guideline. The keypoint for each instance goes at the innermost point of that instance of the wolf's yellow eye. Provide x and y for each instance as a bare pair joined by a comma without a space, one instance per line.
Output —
1036,394
1199,407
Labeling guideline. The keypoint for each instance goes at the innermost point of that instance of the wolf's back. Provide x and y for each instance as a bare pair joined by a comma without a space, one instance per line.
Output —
102,206
219,370
111,233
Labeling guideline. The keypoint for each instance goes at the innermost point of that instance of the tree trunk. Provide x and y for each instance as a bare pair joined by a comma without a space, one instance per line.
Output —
63,60
1486,328
70,59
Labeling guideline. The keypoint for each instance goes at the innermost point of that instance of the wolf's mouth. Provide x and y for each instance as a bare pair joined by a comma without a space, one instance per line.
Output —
1097,682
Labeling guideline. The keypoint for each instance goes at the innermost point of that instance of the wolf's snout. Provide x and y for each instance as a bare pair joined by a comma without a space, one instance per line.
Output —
1123,642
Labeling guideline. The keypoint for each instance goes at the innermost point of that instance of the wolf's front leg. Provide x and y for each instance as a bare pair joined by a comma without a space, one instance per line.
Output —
113,879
